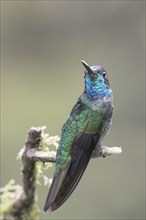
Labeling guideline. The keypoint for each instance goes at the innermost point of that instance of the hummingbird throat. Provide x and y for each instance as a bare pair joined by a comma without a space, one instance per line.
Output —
97,90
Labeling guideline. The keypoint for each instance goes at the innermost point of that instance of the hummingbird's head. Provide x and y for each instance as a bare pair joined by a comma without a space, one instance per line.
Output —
96,81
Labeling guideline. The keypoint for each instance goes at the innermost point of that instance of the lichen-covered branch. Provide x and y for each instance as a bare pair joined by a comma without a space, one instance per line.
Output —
23,206
37,155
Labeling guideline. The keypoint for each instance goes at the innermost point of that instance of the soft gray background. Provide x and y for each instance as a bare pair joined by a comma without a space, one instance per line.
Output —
42,77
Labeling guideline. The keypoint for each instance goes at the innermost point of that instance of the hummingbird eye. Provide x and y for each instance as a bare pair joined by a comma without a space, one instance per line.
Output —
104,74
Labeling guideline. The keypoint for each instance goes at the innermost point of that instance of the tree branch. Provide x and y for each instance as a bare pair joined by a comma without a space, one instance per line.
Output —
104,151
37,155
37,142
24,207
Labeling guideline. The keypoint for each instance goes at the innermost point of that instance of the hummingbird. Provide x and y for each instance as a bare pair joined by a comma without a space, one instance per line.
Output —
82,134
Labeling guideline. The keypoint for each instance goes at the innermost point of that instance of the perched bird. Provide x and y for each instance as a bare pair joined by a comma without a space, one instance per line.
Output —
82,133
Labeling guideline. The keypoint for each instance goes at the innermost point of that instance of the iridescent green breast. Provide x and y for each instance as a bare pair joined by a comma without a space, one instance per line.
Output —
87,121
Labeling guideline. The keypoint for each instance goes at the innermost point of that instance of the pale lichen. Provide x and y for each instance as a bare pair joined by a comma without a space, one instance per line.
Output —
46,143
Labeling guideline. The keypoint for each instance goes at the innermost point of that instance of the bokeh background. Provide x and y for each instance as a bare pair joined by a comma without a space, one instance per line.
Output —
41,78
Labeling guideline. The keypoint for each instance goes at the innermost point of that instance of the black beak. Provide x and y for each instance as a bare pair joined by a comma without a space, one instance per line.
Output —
87,67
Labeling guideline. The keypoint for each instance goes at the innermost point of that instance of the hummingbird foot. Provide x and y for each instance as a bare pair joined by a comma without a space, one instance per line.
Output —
98,152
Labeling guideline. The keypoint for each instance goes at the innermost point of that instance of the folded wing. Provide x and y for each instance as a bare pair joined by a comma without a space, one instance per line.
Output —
66,181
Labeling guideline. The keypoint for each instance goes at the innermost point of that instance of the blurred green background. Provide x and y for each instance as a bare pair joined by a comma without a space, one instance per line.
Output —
42,77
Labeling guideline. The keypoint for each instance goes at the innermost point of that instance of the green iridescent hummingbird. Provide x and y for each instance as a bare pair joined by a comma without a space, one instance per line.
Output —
82,133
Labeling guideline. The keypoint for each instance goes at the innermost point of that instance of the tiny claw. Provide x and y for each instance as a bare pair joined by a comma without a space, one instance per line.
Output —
103,155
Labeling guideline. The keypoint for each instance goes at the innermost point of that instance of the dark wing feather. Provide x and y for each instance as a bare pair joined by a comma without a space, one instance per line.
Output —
82,149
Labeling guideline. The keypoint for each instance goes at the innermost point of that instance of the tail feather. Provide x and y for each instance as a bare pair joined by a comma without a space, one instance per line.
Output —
55,187
64,184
